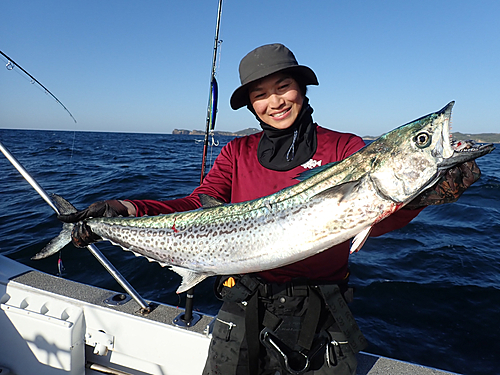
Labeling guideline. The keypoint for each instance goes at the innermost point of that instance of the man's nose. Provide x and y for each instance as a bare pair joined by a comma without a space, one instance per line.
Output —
276,101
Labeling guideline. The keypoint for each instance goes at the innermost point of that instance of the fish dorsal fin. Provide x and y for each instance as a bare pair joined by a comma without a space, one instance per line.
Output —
313,172
189,278
207,201
360,239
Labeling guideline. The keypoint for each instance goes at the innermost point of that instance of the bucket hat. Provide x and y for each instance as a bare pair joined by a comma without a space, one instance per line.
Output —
264,61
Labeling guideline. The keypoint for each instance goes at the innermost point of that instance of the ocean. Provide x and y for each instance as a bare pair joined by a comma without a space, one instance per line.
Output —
428,293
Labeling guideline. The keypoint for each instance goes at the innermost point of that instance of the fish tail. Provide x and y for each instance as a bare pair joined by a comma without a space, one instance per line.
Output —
57,243
64,207
64,237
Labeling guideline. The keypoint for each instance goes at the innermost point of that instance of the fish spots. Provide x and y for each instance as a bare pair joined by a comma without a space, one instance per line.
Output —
187,244
229,231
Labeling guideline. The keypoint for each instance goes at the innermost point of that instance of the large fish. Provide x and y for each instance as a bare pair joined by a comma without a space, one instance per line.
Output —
330,205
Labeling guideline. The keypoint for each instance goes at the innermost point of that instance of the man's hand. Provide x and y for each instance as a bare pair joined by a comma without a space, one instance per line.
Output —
450,187
82,235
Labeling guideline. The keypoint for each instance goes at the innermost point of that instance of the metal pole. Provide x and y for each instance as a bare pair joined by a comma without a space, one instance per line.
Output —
188,311
145,308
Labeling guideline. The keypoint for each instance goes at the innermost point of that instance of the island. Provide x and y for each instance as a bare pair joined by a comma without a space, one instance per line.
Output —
239,133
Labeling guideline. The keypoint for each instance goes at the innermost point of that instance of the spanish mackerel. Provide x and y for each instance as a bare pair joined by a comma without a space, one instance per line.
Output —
331,204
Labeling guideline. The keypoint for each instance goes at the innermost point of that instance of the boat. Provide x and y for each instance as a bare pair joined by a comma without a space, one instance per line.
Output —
53,326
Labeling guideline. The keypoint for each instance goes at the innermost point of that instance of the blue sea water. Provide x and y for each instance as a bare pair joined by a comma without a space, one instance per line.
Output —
428,293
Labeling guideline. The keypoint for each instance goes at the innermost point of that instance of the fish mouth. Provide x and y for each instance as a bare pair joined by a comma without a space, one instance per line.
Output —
464,151
443,148
452,152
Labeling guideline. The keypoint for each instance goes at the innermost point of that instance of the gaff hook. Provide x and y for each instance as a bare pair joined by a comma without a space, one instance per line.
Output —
214,142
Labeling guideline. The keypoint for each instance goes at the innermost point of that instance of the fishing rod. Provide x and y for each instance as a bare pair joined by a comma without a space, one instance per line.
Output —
10,65
212,95
145,308
187,318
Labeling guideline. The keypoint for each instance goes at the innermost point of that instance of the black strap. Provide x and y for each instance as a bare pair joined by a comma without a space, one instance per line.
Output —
252,332
311,320
343,316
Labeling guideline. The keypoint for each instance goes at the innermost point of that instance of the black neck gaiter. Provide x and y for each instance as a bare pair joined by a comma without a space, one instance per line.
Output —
282,150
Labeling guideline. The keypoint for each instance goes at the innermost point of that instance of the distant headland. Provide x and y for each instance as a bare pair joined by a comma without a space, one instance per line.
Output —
480,138
239,133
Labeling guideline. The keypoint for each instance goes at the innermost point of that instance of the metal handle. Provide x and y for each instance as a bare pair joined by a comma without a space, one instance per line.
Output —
145,308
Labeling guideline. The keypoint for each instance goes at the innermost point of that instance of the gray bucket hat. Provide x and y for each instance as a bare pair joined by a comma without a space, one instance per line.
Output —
264,61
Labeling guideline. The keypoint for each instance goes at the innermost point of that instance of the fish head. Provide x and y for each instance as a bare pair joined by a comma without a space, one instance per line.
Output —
414,156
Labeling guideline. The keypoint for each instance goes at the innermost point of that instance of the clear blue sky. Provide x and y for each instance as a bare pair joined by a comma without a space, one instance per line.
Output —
144,66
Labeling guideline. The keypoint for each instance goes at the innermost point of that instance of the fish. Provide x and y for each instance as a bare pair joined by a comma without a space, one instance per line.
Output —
329,205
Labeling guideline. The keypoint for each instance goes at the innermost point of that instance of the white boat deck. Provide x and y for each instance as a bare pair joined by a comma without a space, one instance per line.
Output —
51,326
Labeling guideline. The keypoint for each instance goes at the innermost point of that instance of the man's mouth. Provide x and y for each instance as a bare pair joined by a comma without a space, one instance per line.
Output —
280,114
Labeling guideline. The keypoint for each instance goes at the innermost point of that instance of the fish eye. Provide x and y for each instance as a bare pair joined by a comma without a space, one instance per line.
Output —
422,139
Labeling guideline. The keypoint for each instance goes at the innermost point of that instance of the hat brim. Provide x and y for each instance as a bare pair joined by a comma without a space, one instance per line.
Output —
299,72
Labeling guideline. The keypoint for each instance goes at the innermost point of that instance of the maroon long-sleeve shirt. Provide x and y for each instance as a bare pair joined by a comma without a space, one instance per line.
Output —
237,176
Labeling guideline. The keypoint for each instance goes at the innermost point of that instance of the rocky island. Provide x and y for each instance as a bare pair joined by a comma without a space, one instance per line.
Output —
239,133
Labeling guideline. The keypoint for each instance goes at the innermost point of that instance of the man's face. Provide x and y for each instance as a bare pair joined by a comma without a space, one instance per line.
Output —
277,100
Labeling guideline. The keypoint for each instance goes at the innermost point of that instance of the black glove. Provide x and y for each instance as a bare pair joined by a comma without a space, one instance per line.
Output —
82,235
110,208
450,187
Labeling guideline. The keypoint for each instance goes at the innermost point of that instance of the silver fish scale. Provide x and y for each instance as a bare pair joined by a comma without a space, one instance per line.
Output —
242,242
203,246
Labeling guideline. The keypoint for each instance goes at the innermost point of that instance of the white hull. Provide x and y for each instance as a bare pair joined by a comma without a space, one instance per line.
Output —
53,326
50,326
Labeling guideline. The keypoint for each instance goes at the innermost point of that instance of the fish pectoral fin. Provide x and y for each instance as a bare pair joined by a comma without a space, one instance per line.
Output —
360,239
207,201
189,278
343,191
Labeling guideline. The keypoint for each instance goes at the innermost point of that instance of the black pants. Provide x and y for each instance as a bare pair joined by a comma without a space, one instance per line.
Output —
228,351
